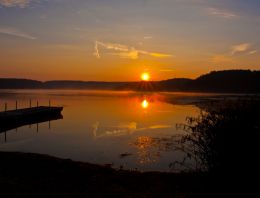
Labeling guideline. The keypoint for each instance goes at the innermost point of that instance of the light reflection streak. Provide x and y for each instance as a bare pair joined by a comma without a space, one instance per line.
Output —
145,104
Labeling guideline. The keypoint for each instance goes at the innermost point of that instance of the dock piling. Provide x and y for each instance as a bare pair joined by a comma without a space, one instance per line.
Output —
13,119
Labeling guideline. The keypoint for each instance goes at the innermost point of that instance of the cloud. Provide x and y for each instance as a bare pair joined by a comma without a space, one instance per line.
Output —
148,37
110,46
124,51
131,54
13,3
252,52
21,3
157,55
222,13
15,32
245,48
240,48
96,50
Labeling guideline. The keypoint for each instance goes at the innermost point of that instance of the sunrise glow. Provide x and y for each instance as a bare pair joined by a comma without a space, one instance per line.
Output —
180,41
145,76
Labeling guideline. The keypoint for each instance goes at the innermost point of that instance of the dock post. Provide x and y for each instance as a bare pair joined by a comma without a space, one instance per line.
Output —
37,103
16,105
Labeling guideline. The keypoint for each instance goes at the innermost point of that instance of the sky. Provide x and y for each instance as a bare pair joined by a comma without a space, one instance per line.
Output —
117,40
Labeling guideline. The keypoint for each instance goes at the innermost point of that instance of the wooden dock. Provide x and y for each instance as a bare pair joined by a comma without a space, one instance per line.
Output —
20,117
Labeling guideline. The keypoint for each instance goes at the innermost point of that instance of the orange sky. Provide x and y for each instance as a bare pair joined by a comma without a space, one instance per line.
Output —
118,40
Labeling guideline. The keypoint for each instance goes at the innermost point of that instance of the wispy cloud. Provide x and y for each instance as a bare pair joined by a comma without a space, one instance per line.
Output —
96,50
124,51
243,48
15,32
154,54
240,48
252,52
148,37
13,3
110,46
222,13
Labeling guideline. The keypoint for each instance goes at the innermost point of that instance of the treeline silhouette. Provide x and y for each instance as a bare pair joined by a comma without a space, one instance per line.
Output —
236,81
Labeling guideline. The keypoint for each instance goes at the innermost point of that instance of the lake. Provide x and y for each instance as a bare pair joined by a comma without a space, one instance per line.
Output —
123,129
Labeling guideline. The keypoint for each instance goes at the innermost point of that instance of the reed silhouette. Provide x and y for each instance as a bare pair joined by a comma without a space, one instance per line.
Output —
223,141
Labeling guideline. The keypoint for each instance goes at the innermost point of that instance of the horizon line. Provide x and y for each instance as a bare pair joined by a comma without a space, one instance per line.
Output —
43,81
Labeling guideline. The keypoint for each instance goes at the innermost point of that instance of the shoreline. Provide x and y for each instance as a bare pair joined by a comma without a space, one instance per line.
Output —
37,175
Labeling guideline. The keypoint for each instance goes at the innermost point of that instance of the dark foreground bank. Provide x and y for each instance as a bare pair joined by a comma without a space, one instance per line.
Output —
34,175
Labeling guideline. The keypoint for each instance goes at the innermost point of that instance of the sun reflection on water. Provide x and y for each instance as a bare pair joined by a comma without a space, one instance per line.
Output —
145,104
146,153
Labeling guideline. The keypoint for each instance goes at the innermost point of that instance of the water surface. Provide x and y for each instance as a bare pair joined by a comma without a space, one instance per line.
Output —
118,128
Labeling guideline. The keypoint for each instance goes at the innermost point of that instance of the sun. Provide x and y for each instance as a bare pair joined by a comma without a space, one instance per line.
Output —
145,76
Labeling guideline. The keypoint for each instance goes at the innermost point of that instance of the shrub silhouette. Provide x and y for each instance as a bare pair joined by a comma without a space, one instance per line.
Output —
224,137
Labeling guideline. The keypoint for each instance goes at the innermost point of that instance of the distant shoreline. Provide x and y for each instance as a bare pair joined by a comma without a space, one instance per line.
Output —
229,81
228,93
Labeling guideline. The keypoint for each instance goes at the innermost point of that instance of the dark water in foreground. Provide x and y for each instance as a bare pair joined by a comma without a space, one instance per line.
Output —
103,127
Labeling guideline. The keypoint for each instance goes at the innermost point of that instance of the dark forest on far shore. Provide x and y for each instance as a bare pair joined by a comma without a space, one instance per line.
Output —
232,81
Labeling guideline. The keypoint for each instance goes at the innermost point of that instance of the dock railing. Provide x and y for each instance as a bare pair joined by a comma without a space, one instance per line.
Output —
17,105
